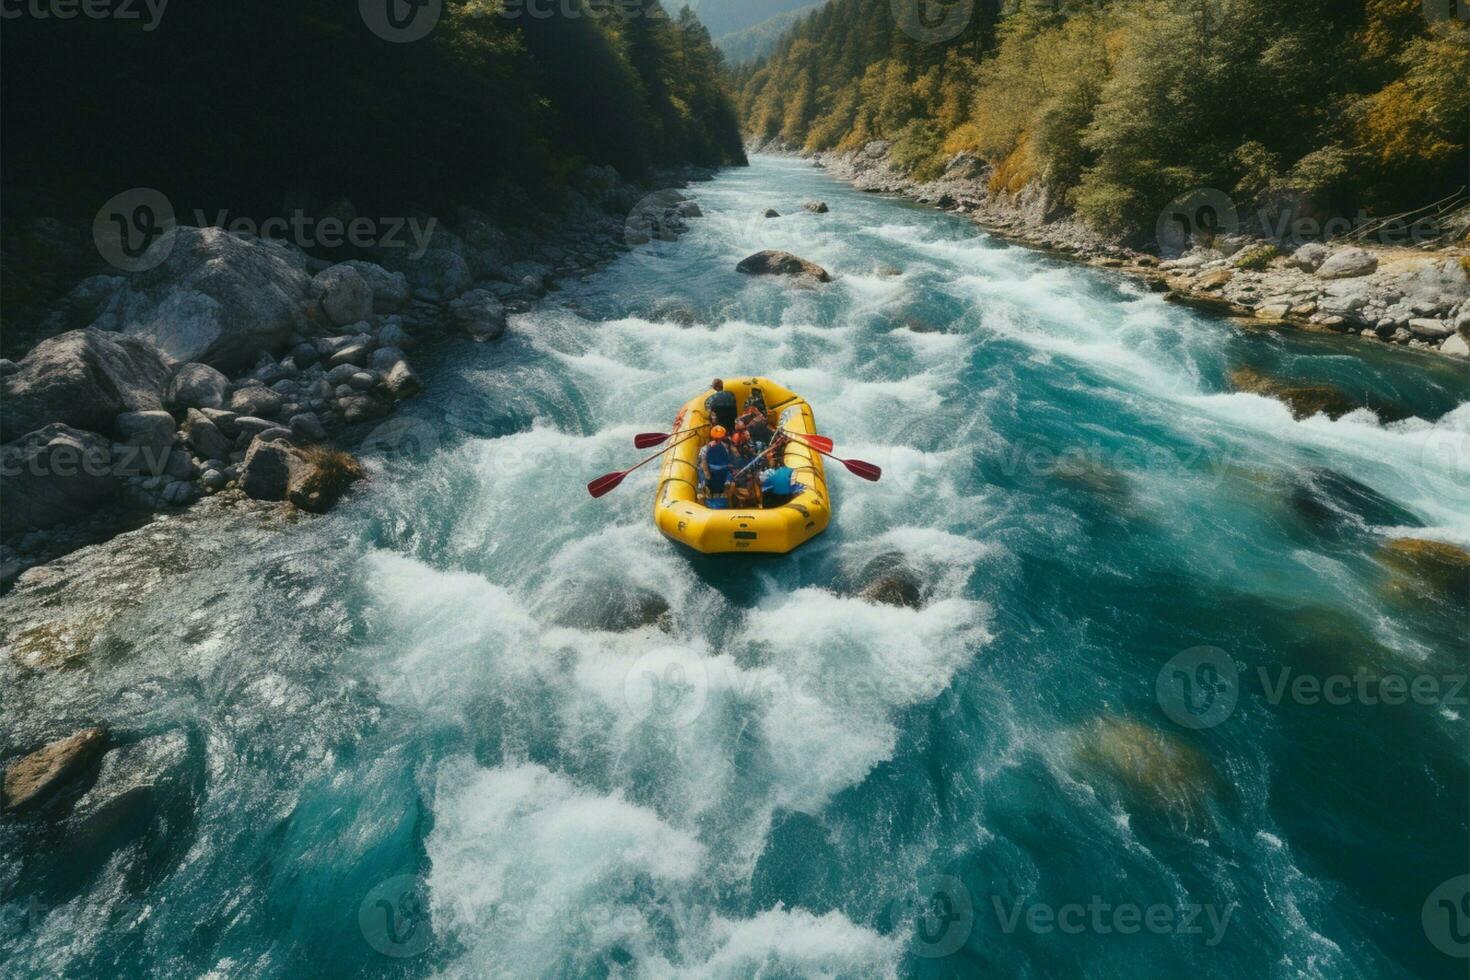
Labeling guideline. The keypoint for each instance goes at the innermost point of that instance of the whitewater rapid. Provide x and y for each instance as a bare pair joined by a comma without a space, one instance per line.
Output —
411,702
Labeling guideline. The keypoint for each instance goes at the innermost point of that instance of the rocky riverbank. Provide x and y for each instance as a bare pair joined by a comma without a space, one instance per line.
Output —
1412,297
237,363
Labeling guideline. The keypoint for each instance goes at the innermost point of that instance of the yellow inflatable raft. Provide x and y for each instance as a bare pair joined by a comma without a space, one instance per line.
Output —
780,527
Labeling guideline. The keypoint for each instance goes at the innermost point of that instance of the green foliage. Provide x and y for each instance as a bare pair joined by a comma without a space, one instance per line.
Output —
1122,105
1257,257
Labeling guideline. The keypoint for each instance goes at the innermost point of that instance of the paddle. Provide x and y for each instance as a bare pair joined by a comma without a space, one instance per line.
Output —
819,443
856,467
608,482
647,440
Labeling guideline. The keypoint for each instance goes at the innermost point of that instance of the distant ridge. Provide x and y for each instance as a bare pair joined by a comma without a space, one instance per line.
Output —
759,40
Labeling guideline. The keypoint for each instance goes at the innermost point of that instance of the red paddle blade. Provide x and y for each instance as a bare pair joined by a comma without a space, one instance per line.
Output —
865,470
605,484
647,440
819,442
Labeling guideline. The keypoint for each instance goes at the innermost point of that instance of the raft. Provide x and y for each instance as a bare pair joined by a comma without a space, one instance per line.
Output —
780,527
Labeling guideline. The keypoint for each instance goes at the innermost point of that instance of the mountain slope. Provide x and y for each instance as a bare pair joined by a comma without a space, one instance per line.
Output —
760,40
724,17
1121,107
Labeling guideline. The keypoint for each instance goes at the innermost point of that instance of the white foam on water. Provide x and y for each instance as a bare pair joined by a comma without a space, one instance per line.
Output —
782,942
536,877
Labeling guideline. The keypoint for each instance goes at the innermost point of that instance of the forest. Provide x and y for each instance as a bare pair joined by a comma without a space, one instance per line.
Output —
1325,107
259,108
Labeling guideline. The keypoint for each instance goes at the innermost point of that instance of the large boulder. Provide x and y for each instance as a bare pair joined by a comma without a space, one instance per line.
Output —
1304,400
218,298
204,436
313,478
346,296
441,271
1348,263
198,386
1309,257
52,476
37,779
390,289
82,378
151,433
776,263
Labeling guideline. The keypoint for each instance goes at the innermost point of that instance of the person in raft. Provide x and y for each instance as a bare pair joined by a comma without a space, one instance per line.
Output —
721,406
716,461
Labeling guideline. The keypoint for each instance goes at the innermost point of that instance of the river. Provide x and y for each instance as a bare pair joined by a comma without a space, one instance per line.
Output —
414,752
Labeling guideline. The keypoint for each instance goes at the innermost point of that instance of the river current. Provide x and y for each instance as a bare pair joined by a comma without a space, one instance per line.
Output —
421,744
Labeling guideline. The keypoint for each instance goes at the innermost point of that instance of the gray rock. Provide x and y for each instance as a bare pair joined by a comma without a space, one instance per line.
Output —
1309,257
1348,263
151,431
178,493
306,427
305,354
1344,297
390,289
266,470
249,425
401,380
1455,345
384,358
198,386
256,400
393,335
180,465
346,296
816,207
362,408
439,272
479,314
83,378
777,263
770,213
214,479
277,433
351,354
339,374
362,380
54,475
688,209
223,418
37,779
1429,329
218,299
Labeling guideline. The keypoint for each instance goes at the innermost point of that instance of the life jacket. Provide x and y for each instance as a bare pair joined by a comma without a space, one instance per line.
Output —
717,455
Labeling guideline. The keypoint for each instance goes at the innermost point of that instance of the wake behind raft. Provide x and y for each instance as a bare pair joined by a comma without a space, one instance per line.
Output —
795,507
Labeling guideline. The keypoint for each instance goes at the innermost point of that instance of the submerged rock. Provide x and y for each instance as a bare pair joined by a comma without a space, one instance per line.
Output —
1150,767
889,580
1435,567
1304,400
616,608
816,207
132,783
776,263
770,213
36,780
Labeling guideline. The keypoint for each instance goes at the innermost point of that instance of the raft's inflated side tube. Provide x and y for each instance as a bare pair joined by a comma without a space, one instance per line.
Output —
680,516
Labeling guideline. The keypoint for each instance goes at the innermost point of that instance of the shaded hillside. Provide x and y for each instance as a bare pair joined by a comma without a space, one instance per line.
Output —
1317,108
